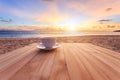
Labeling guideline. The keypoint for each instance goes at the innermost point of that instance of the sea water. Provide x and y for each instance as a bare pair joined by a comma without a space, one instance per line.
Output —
37,34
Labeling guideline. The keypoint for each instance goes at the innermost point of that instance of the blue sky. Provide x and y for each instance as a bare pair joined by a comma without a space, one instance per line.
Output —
57,12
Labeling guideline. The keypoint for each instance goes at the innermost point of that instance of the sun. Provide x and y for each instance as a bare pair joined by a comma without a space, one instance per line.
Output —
70,24
71,28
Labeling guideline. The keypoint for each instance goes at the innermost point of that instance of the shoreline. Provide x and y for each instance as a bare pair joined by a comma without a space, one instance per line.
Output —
107,41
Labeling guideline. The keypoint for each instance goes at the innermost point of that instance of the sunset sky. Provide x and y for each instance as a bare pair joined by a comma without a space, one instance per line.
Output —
81,14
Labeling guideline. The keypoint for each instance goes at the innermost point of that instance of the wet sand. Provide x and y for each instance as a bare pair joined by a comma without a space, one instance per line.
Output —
107,41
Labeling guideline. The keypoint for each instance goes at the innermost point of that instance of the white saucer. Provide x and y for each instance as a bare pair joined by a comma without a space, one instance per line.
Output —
41,46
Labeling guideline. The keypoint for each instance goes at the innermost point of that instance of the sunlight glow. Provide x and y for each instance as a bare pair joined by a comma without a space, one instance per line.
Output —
70,24
71,28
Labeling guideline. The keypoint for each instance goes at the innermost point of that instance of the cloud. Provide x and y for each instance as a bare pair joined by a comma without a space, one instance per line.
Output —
49,13
47,0
6,21
101,21
60,10
105,20
108,9
0,17
109,26
96,8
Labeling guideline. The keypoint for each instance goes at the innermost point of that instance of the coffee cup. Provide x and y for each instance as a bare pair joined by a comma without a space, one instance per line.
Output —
48,42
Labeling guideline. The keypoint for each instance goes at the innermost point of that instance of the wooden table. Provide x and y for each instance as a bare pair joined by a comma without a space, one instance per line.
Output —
72,61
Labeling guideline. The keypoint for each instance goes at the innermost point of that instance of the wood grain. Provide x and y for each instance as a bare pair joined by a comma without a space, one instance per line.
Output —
72,61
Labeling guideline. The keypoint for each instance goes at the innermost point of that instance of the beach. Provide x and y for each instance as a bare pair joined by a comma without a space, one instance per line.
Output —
107,41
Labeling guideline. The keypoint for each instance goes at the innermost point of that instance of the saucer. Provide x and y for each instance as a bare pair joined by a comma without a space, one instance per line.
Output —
41,46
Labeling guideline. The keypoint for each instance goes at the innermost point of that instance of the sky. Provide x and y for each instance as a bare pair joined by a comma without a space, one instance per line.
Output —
81,14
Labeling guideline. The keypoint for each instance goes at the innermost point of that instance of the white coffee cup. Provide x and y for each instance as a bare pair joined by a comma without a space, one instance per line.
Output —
48,42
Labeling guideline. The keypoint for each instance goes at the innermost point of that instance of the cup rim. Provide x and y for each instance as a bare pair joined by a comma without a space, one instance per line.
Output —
47,37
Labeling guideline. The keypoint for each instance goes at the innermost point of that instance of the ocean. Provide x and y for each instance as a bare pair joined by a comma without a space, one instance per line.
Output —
38,34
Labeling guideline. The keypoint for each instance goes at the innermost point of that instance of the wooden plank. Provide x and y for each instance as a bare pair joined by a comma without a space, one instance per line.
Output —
30,69
90,67
16,52
106,51
83,65
74,69
5,64
43,72
104,70
13,67
59,69
104,56
37,62
72,61
5,59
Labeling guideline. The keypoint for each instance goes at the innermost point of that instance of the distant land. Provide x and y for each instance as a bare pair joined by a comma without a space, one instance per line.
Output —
117,31
16,31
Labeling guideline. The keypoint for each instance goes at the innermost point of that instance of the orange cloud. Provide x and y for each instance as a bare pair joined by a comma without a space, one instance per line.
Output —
51,15
96,8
